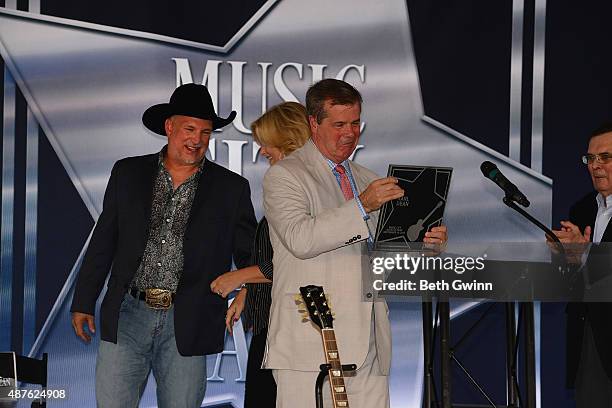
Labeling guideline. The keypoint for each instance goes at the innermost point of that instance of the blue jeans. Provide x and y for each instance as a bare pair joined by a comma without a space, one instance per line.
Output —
145,342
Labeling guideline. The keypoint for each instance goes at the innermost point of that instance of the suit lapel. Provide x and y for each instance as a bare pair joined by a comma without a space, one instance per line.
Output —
607,235
317,166
202,193
147,185
591,217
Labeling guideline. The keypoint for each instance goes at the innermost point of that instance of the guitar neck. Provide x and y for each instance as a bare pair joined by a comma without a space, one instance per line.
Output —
336,376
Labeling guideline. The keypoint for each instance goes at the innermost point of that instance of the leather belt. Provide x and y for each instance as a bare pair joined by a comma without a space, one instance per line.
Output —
155,298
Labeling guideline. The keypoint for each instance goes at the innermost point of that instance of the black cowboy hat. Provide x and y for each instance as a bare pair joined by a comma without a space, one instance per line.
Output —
187,100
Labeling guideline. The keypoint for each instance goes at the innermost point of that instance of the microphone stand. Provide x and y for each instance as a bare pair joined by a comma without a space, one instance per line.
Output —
510,203
558,245
563,268
527,314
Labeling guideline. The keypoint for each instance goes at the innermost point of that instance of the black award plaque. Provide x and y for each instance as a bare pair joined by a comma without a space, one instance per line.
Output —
8,378
402,223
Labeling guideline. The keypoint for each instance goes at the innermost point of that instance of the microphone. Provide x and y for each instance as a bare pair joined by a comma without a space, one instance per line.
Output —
491,171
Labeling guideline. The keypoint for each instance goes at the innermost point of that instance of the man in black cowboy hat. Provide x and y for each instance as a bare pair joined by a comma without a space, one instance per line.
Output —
171,223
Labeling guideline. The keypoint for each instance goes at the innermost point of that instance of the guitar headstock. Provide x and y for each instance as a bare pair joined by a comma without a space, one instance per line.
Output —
316,304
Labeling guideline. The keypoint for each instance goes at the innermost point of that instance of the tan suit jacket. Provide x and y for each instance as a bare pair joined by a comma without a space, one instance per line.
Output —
319,238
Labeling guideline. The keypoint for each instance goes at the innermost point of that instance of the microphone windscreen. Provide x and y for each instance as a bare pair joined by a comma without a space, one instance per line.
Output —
487,167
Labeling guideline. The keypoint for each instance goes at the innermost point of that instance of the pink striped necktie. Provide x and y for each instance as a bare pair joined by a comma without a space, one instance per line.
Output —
345,184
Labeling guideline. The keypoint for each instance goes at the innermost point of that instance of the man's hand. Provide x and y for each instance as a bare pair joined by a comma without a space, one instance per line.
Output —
235,310
379,192
436,235
575,241
570,234
78,322
226,283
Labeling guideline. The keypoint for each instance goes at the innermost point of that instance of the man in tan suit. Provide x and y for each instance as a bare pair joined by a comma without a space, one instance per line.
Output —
320,206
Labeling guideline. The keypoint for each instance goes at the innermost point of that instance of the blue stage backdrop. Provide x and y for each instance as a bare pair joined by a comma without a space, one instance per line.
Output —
520,83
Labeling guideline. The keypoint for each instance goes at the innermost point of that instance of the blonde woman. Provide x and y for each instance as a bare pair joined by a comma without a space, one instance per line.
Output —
281,130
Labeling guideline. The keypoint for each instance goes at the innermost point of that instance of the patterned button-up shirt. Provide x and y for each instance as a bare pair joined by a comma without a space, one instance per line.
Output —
162,261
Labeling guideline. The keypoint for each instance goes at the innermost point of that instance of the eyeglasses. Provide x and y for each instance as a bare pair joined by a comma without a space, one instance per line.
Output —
603,158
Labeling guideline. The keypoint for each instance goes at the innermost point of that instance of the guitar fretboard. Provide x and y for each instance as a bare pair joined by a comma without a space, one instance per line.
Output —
336,376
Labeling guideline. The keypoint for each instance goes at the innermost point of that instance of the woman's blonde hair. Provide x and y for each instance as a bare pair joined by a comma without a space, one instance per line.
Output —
284,126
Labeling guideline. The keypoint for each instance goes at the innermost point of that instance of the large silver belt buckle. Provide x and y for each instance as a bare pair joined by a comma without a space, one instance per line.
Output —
158,298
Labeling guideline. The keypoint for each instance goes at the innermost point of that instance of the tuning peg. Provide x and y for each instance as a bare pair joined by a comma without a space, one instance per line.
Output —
304,315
